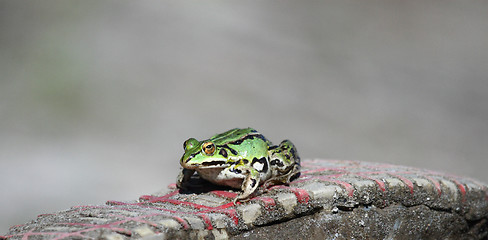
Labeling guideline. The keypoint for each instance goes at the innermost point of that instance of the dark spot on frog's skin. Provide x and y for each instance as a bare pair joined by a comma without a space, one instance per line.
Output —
235,170
253,182
262,137
276,162
230,149
292,151
272,147
263,162
223,152
249,136
233,151
287,156
245,161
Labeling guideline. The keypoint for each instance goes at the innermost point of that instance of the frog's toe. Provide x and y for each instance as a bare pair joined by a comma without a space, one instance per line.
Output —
244,197
240,199
236,200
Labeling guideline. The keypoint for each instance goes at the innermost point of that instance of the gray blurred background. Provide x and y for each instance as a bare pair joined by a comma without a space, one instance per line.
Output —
97,97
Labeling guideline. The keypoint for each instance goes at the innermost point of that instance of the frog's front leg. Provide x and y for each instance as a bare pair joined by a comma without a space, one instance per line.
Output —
250,183
184,177
250,180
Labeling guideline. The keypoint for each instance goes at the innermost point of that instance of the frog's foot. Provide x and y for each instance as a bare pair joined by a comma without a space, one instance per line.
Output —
241,199
283,179
271,182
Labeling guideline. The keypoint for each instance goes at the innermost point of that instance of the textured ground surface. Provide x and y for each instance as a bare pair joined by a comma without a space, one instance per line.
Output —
335,199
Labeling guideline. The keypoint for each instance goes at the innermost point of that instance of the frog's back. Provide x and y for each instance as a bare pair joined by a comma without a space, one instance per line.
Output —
234,135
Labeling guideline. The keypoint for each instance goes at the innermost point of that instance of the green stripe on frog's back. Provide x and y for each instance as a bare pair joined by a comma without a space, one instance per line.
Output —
248,147
233,138
232,135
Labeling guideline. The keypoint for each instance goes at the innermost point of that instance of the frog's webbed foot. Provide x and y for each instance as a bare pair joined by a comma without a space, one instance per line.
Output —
241,200
283,179
243,197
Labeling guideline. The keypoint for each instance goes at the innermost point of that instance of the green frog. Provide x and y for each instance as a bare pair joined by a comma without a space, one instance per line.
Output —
239,158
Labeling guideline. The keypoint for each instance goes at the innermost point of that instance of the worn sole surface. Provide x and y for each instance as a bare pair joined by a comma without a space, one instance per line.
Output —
332,199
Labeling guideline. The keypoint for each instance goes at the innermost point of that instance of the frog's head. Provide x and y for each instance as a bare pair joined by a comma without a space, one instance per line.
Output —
202,154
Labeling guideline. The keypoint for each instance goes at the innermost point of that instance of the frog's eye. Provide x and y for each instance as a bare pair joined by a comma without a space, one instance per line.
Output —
189,143
208,148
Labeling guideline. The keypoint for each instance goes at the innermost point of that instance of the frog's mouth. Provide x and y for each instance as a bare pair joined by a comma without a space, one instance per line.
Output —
210,164
214,164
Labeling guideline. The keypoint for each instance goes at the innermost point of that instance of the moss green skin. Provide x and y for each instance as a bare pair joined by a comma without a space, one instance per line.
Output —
239,158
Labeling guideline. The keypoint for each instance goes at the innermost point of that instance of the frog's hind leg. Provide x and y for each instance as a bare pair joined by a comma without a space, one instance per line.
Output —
286,163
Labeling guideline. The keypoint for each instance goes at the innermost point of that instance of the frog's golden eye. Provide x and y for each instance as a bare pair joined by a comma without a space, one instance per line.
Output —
208,148
190,143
